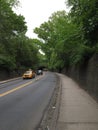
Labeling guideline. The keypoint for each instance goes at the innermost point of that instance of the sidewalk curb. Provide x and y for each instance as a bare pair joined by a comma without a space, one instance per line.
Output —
50,118
57,110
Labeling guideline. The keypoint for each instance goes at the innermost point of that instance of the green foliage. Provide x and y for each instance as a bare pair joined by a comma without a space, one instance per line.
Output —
60,37
96,48
12,2
63,39
25,52
87,14
16,50
66,39
7,62
81,55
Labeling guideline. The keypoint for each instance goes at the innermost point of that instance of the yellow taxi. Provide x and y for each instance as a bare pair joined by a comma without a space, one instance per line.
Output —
29,74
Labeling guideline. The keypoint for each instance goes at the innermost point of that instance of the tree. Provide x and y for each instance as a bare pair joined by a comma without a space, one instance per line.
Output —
87,14
16,50
12,2
60,37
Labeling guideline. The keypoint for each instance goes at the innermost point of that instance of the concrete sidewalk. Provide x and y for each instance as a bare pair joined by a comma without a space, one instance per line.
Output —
78,111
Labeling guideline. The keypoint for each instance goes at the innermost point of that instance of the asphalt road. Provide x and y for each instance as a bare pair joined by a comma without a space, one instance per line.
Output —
23,102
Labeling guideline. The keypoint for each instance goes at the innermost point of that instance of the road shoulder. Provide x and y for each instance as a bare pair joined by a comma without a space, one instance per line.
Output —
49,120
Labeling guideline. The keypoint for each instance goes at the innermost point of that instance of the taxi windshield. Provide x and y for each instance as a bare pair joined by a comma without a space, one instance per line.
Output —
27,72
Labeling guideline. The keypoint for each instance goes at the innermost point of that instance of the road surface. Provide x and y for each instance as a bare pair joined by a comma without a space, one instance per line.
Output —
23,102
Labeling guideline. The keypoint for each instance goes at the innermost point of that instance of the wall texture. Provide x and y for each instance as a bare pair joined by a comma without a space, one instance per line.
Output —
87,75
4,74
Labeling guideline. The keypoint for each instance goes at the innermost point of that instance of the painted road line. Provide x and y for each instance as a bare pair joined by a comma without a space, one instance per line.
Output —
5,81
19,87
15,89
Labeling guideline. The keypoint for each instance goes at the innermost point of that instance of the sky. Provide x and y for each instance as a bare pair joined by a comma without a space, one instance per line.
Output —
37,12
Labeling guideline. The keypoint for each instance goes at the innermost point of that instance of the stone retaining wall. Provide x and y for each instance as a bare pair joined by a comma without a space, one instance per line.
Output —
86,75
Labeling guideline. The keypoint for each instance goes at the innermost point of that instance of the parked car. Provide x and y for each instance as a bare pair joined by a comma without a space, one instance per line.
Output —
29,74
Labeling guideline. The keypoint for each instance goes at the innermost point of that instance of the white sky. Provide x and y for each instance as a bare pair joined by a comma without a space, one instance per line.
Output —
37,12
